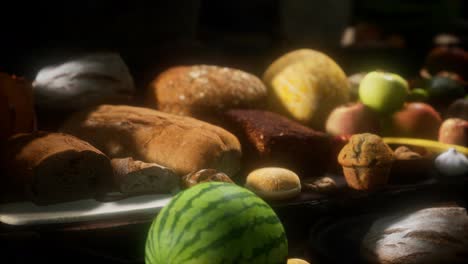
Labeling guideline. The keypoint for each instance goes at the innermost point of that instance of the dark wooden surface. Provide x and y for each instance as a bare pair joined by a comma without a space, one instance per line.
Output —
317,227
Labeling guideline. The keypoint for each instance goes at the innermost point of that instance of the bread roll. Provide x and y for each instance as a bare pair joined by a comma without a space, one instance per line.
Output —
16,106
204,90
54,167
432,235
274,183
137,177
180,143
297,261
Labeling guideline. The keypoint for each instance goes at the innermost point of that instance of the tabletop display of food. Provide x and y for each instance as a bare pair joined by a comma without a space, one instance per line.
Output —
228,145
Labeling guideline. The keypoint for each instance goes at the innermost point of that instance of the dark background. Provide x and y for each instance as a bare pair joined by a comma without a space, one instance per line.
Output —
153,35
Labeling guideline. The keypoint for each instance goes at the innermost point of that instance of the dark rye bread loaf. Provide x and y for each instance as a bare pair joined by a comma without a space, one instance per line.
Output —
432,235
202,91
53,167
180,143
269,139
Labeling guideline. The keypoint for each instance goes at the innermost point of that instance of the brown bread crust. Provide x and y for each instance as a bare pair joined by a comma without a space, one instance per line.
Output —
180,143
137,177
204,90
270,139
54,167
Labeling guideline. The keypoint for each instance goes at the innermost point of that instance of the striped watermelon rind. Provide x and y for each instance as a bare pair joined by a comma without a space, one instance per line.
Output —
216,222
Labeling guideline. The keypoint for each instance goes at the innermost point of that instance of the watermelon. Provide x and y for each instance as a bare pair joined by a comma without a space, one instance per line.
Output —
216,222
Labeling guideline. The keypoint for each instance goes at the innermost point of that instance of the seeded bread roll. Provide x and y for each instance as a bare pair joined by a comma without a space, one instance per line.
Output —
203,90
274,183
432,235
180,143
50,168
137,177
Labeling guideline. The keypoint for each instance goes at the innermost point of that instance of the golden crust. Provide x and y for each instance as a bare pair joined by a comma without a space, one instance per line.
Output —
203,89
274,183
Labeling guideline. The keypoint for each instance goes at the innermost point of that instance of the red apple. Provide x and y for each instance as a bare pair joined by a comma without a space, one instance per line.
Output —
352,119
416,120
454,131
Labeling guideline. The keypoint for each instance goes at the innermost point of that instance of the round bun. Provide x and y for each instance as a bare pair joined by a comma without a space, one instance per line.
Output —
297,261
274,183
202,90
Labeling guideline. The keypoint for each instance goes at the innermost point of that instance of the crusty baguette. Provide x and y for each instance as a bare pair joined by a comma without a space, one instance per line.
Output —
180,143
54,167
203,90
137,177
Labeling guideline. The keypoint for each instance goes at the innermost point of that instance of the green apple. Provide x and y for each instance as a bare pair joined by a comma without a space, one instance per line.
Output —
384,92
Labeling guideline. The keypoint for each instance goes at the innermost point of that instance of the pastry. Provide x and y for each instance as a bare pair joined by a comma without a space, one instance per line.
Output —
205,175
366,161
180,143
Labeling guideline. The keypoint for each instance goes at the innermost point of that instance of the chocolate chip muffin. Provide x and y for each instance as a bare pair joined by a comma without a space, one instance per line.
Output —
366,161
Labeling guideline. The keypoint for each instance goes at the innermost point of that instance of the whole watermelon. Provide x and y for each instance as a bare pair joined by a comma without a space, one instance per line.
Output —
216,222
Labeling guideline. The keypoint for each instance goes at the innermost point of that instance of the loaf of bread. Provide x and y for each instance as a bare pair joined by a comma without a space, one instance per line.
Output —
180,143
269,139
202,91
53,167
82,82
137,177
432,235
16,106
